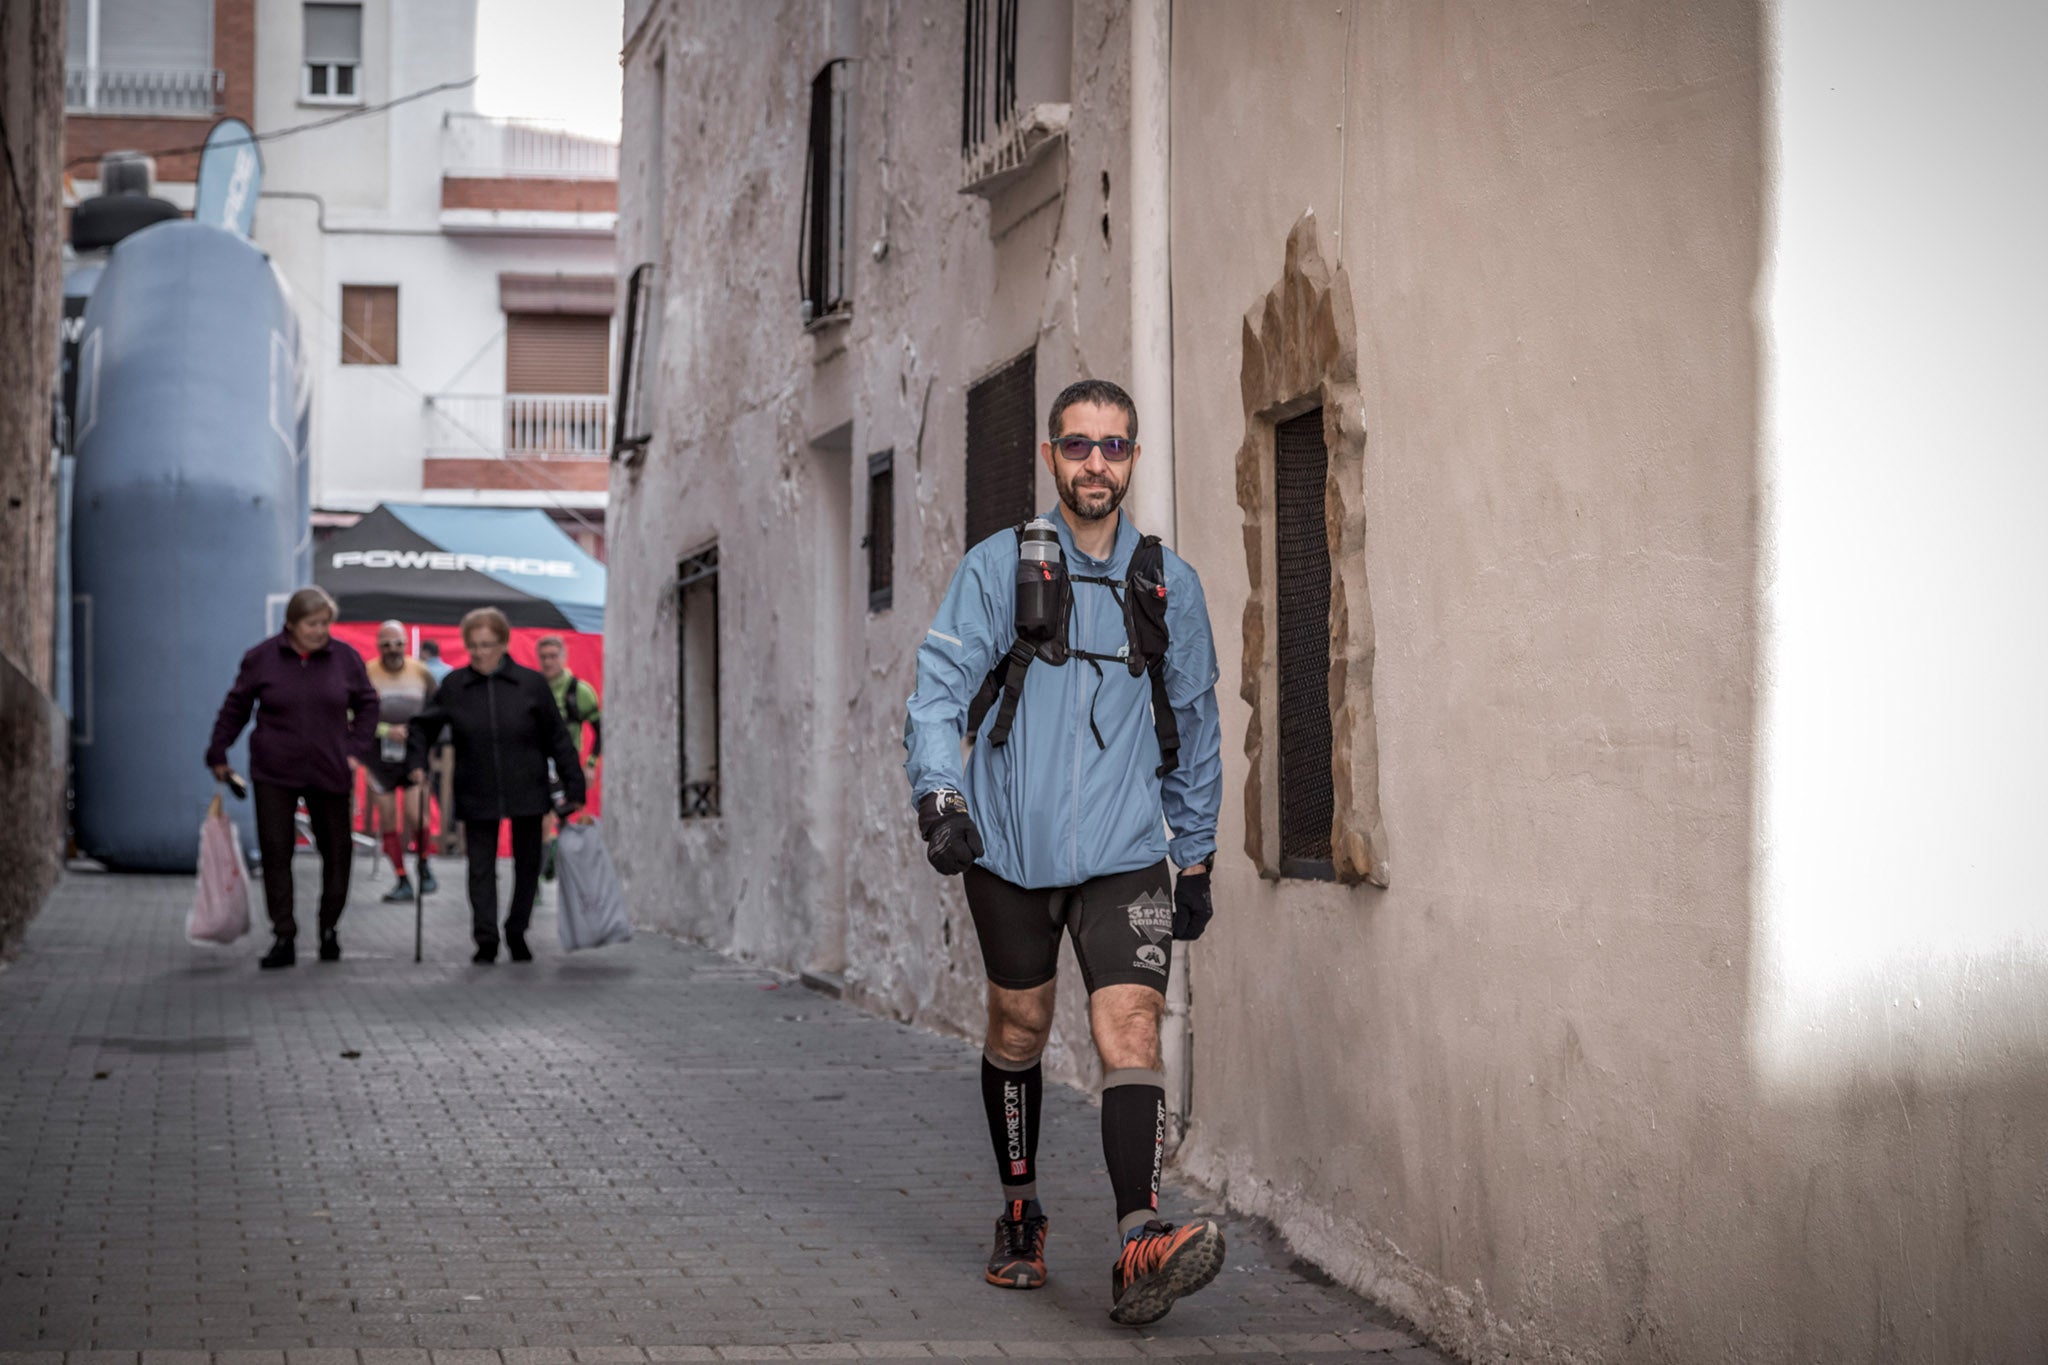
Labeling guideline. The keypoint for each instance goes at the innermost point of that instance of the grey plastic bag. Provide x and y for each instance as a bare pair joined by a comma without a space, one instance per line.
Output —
590,909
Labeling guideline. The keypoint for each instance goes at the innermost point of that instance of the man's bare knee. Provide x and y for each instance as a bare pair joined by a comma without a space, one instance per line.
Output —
1019,1021
1125,1020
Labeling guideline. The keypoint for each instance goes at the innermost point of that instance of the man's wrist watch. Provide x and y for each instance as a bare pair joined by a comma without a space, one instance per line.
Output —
935,807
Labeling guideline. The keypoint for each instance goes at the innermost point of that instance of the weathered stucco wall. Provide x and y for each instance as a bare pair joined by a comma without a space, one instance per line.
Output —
32,730
1561,1089
1514,1093
761,444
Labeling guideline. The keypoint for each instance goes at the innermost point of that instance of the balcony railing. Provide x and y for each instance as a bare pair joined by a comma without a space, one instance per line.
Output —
141,90
474,145
570,426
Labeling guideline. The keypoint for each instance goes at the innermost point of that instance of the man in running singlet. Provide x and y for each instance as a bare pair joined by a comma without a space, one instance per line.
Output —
404,687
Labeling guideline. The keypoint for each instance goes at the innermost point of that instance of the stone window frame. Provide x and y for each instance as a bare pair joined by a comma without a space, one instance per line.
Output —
1300,352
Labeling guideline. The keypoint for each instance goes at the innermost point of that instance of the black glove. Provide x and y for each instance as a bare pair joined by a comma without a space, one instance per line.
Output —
1191,907
951,842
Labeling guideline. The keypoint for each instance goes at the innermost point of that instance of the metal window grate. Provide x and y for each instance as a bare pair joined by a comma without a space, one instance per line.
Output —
880,542
1001,443
821,254
697,684
988,76
1301,467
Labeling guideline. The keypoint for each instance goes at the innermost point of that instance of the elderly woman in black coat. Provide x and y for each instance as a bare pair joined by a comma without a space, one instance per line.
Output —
505,727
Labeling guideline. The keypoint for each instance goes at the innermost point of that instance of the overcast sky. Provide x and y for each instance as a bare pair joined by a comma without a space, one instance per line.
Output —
551,59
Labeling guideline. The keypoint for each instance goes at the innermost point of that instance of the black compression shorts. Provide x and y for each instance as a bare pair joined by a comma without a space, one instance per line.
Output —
1122,927
386,778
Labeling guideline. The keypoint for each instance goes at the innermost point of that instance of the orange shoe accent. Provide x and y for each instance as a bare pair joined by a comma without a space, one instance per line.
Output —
1161,1264
1018,1262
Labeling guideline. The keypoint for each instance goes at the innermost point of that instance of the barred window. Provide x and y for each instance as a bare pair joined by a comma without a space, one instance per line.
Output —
1301,465
697,683
1002,443
1018,57
880,542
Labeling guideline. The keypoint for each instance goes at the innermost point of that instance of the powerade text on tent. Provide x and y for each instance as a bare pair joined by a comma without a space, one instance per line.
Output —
430,565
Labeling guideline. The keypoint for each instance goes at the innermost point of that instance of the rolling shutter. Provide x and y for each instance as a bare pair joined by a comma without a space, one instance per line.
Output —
1302,559
155,35
1002,448
369,324
557,353
334,34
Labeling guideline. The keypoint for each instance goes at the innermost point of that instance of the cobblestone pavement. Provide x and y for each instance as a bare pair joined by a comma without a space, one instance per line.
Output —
643,1153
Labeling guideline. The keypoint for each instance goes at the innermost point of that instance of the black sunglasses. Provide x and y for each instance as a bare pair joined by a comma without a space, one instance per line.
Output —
1115,449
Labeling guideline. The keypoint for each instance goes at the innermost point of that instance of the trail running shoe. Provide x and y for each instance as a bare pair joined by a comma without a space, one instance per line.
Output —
1162,1263
1018,1262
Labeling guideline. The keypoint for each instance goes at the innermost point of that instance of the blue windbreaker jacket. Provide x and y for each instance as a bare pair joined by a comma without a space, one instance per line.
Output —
1053,809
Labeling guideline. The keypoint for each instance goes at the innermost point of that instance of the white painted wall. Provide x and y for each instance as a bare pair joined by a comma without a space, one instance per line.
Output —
380,179
1903,750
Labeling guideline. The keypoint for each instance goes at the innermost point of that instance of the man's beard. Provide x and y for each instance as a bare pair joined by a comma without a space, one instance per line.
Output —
1102,499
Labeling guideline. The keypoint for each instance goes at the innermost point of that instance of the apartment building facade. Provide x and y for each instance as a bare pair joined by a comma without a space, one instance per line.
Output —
453,270
1624,949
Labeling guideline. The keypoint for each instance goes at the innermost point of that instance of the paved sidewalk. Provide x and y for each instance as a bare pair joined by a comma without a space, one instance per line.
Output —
647,1152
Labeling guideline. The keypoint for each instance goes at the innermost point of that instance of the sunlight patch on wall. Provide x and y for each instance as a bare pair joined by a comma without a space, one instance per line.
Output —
1902,895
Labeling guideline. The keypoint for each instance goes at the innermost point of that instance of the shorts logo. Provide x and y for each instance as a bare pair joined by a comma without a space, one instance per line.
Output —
1151,917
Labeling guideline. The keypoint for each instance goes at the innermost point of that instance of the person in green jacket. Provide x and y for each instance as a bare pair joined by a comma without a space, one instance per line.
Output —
580,706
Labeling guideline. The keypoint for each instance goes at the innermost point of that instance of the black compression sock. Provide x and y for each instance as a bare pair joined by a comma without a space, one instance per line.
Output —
1010,1093
1134,1142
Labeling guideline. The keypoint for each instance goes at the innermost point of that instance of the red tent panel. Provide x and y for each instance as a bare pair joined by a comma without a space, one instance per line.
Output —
586,661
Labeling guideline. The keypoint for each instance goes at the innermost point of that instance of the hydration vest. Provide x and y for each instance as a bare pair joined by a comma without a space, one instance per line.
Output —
1142,595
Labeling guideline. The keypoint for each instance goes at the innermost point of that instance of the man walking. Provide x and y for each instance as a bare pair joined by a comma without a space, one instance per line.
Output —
405,688
576,699
430,658
580,705
1077,655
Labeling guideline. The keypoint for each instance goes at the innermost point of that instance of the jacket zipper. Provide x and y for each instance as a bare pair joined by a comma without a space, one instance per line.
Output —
497,763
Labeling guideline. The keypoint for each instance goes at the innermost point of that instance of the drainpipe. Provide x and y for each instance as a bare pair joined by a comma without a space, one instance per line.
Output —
1152,391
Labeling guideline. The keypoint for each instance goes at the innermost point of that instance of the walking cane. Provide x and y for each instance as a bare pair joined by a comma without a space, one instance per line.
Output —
419,873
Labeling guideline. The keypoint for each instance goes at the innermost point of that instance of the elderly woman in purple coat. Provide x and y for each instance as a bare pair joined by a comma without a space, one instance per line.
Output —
316,717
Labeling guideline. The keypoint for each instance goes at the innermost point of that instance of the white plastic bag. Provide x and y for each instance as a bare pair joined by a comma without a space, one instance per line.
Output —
220,909
590,909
